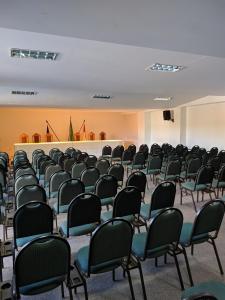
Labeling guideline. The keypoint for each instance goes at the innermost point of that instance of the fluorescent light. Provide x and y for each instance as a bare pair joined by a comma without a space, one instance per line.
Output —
35,54
27,93
164,68
162,99
99,96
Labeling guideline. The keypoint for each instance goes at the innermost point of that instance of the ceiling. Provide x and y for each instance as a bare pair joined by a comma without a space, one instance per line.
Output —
105,47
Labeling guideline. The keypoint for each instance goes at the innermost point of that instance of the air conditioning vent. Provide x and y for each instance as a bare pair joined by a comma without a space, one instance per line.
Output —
26,93
104,97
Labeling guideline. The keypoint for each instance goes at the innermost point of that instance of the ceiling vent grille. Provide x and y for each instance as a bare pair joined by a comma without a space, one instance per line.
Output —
104,97
27,93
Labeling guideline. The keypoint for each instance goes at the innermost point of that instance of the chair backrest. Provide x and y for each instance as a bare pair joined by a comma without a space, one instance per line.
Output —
36,152
154,163
137,179
144,149
208,219
132,148
23,180
139,159
44,164
102,165
56,155
90,160
221,174
205,175
68,163
57,179
117,152
51,169
35,159
68,190
173,168
106,150
32,218
89,176
70,151
82,156
213,151
193,165
201,296
110,244
222,156
3,179
164,230
117,170
29,193
127,155
39,261
163,196
77,169
127,202
40,159
84,209
214,162
62,158
106,187
52,151
24,170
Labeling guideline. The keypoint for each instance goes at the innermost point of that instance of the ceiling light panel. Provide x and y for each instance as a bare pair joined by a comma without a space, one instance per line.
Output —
164,68
35,54
27,93
162,99
98,96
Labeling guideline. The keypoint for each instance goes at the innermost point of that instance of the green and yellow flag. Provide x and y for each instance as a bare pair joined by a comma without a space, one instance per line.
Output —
71,135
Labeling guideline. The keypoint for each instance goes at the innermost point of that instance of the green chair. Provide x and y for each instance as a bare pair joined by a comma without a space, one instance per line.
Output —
89,177
83,216
77,169
205,228
117,170
126,205
162,238
202,183
211,290
219,182
28,193
102,165
42,265
55,181
106,189
153,166
162,197
109,248
139,180
172,171
191,169
138,162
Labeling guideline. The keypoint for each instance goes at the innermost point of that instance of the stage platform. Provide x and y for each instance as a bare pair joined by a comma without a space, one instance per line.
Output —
91,147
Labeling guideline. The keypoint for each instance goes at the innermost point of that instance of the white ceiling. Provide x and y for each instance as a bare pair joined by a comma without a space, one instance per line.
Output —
104,48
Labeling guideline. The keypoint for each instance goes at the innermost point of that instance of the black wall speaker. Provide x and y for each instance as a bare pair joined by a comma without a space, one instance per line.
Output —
166,115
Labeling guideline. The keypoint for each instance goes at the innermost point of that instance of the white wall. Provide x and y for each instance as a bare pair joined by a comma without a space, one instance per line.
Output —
206,125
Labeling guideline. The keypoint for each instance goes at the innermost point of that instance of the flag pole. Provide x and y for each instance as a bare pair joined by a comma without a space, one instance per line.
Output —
52,130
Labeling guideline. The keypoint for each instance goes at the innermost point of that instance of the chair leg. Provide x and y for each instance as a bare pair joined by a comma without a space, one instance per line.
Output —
130,284
178,271
165,259
156,261
181,196
188,267
193,200
70,294
192,249
142,281
62,290
217,257
113,275
85,290
197,195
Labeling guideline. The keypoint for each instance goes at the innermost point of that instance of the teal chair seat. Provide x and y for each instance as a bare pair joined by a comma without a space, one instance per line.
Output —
109,214
136,167
138,247
41,286
89,189
186,232
192,187
77,230
126,162
62,208
81,259
215,184
24,240
184,175
162,177
217,289
107,201
145,211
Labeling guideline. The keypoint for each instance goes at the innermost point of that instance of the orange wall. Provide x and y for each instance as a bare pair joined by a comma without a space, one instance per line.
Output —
14,121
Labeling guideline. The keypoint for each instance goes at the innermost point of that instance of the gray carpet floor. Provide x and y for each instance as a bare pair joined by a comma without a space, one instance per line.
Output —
161,282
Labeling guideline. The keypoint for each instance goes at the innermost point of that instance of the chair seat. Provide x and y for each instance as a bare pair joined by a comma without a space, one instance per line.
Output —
126,162
163,177
186,235
41,286
77,230
217,289
62,208
136,167
217,184
107,201
189,185
89,189
184,175
138,247
105,216
24,240
81,259
144,212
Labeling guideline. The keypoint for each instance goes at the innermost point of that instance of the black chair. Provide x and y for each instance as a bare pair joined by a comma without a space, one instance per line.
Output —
109,248
90,160
205,228
106,151
117,153
219,182
191,168
82,156
139,180
77,169
68,190
102,165
38,268
56,180
162,197
162,238
132,148
117,170
32,220
153,166
89,178
106,189
126,205
23,180
68,163
83,215
138,162
33,192
24,170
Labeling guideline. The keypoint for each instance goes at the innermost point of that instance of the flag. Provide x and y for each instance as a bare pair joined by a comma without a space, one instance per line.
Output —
47,130
84,132
71,135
